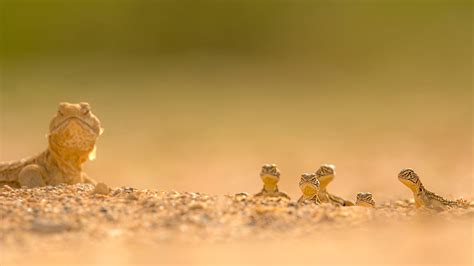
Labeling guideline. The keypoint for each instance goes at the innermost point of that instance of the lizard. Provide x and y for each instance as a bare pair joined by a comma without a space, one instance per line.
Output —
73,132
425,198
365,199
309,185
325,175
270,176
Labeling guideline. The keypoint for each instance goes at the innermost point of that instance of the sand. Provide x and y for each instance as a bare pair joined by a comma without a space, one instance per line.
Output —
80,224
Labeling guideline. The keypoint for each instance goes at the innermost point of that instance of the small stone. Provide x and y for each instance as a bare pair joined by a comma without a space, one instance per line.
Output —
193,195
101,188
401,203
196,206
173,194
8,188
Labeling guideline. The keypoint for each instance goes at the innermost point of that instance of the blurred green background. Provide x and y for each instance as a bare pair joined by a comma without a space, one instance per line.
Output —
196,95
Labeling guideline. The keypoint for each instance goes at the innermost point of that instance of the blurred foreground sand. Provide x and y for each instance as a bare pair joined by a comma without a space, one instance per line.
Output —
69,225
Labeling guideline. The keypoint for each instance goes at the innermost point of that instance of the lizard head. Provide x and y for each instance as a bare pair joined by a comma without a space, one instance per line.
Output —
270,175
75,129
365,199
410,179
309,184
325,174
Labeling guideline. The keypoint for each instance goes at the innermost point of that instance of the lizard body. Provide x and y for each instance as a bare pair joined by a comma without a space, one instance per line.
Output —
425,198
309,185
325,175
73,132
270,176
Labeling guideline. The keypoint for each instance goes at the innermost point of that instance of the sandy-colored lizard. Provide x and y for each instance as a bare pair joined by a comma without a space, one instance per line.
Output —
325,175
309,185
270,176
424,197
73,132
365,199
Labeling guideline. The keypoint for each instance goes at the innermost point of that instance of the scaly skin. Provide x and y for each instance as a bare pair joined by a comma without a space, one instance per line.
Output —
309,185
73,132
424,197
325,175
270,176
365,199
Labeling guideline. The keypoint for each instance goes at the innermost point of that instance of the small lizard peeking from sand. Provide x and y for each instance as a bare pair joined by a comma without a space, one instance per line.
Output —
365,199
270,176
73,132
424,197
325,175
310,186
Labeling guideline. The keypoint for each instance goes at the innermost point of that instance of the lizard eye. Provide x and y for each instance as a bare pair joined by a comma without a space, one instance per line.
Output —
85,108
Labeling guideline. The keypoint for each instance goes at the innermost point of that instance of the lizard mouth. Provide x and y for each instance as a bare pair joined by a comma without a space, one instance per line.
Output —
75,120
270,179
74,134
326,179
325,170
407,182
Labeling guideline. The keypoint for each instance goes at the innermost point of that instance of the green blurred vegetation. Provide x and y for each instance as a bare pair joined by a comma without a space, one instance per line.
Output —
327,30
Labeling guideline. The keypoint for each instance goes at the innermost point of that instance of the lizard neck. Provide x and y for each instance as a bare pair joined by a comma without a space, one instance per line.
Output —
324,181
323,185
68,161
415,188
270,187
418,190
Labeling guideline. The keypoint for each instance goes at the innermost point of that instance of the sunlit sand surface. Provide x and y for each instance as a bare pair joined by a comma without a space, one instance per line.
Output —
70,225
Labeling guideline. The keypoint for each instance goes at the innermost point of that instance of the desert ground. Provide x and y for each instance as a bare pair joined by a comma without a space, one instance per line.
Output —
125,226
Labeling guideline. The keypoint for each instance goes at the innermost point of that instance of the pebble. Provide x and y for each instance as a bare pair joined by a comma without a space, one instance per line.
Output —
401,203
101,188
196,206
8,188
